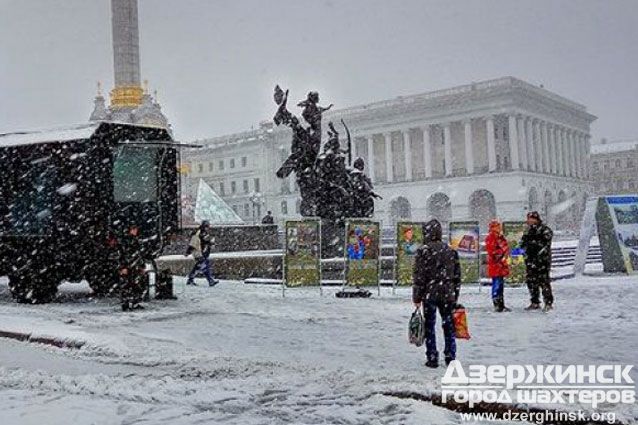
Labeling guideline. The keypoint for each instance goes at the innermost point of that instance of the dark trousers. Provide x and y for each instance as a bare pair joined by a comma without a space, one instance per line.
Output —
498,285
537,283
202,265
445,310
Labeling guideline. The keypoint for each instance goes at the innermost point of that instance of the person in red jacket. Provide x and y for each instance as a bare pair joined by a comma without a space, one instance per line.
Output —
497,266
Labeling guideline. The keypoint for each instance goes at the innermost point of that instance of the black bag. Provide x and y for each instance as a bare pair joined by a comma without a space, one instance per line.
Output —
416,328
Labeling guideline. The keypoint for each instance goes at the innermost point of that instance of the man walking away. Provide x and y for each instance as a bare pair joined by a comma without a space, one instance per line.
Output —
268,218
497,267
199,246
437,282
537,243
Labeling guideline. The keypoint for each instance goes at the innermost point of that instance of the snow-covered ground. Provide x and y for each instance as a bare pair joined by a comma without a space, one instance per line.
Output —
242,354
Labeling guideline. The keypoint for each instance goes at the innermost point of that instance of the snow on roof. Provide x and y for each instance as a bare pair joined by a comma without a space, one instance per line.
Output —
614,147
61,134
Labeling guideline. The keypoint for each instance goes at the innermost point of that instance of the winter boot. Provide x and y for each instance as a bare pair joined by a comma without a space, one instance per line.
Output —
213,283
432,363
497,305
448,360
547,308
533,306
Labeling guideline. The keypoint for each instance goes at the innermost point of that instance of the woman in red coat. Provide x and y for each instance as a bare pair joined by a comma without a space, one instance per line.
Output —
497,266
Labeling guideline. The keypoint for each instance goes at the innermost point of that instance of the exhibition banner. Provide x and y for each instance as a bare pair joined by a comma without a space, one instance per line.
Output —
617,220
409,240
464,239
302,257
513,232
362,253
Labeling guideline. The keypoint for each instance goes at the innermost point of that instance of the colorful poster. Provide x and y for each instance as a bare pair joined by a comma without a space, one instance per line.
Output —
513,232
362,253
464,239
617,219
302,257
409,240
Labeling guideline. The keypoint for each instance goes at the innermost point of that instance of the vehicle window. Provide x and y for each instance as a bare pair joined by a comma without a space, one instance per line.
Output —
31,210
135,174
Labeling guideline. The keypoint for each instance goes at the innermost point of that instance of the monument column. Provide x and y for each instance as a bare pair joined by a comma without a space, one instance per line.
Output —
469,153
407,154
427,151
447,142
513,140
388,157
126,54
491,144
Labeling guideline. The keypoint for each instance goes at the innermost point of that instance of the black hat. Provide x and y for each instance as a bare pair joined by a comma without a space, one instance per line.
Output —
359,164
535,215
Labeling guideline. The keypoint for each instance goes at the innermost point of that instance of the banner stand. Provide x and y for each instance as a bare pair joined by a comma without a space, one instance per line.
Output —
464,238
362,256
409,238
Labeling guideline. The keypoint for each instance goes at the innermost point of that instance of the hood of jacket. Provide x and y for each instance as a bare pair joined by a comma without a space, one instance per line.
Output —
432,231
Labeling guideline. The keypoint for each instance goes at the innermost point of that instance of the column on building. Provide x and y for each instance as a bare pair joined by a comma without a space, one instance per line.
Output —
407,154
529,138
491,144
560,138
513,141
566,157
545,142
578,152
469,152
447,144
387,137
551,142
587,156
427,151
583,154
370,159
572,154
536,125
522,142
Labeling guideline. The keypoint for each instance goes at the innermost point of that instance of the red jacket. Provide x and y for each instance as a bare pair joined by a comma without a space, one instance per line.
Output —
497,254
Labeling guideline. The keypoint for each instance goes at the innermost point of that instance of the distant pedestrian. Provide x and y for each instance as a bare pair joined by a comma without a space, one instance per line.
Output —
437,283
199,246
537,244
497,263
268,218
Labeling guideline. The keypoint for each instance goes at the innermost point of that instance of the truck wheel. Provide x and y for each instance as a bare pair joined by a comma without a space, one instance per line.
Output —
32,289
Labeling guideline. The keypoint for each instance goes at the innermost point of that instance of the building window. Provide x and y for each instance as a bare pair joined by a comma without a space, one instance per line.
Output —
200,168
595,166
222,192
298,206
244,161
245,186
256,184
232,163
233,187
630,163
210,166
246,210
619,185
221,165
632,185
284,207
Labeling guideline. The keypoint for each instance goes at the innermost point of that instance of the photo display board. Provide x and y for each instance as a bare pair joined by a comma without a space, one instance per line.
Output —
362,252
513,232
409,239
464,239
302,256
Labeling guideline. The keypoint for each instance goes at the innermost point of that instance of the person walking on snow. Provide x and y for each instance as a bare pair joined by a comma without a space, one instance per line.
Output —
199,246
437,283
537,243
497,266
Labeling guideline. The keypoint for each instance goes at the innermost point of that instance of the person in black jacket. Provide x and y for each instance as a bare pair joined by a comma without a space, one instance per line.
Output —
268,218
437,283
537,243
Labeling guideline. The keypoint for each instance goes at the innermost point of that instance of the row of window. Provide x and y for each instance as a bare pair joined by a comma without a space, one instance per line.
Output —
246,212
617,163
618,185
221,165
245,185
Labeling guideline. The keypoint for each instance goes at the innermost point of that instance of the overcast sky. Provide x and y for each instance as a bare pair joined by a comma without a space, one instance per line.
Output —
214,63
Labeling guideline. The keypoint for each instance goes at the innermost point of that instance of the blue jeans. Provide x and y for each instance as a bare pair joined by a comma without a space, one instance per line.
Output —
498,284
445,310
202,265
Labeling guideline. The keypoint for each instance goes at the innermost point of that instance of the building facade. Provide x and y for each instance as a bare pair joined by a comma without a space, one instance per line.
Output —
491,149
615,167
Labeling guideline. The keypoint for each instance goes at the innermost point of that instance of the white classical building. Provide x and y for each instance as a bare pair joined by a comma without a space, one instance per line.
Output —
491,149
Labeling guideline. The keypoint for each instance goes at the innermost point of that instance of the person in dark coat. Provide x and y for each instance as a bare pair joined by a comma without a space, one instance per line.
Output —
497,266
268,218
200,246
437,283
537,243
